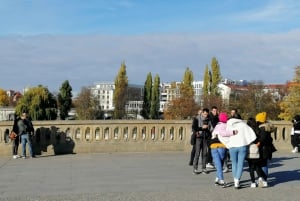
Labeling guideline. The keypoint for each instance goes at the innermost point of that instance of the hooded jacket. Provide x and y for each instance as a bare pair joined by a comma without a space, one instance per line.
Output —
245,134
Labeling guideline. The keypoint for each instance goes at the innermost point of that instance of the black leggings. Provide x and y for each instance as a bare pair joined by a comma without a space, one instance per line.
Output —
294,140
15,145
254,166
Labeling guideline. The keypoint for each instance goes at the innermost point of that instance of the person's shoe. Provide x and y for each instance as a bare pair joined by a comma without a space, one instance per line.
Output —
209,165
204,171
195,171
225,170
236,184
260,182
18,156
265,184
14,156
253,185
216,181
24,157
295,150
222,183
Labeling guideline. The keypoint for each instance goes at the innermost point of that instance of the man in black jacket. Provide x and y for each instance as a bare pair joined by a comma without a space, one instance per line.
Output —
202,128
193,136
25,128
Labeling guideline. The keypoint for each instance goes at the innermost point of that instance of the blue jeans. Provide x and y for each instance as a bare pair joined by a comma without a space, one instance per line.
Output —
25,139
237,156
218,155
266,169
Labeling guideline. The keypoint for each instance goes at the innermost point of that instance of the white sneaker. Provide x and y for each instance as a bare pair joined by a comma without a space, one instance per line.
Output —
216,181
15,156
222,183
253,185
264,184
209,165
225,170
295,150
236,184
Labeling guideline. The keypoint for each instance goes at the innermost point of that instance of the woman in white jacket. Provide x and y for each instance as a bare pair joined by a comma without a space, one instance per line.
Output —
238,146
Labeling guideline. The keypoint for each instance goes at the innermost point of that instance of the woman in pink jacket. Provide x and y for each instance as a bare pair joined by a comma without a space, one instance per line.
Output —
218,150
238,146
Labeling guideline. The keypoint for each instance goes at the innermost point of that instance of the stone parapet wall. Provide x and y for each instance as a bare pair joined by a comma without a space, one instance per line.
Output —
64,137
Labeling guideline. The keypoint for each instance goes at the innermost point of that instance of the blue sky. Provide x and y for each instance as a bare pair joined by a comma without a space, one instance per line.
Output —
127,17
48,41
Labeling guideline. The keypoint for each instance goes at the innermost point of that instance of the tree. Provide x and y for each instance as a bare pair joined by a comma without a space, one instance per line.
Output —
39,103
215,77
87,106
210,91
252,99
154,108
4,99
64,99
184,106
147,97
120,98
290,106
206,82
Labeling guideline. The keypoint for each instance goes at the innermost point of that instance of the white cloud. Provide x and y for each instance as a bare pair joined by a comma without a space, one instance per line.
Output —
273,11
85,59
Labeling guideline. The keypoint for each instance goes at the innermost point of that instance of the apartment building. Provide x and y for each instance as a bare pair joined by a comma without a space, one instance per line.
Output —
104,92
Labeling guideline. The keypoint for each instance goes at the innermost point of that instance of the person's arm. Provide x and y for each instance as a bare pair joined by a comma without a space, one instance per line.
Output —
263,137
195,127
229,133
31,127
226,132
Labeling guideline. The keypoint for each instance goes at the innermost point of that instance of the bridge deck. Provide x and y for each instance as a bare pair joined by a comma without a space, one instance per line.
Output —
136,176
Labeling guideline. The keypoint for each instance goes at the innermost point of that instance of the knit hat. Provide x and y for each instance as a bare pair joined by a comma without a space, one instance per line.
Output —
261,117
223,117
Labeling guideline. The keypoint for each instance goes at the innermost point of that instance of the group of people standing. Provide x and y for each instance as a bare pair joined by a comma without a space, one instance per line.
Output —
222,137
24,129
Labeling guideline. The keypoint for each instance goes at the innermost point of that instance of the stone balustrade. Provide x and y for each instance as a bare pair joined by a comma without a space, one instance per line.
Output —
65,137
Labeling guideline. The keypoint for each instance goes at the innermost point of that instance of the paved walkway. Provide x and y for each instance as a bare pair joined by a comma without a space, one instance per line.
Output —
136,176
